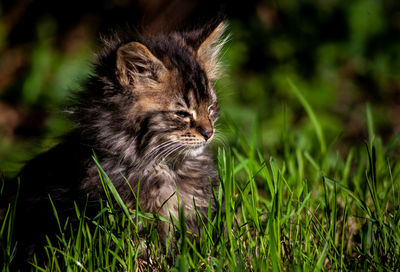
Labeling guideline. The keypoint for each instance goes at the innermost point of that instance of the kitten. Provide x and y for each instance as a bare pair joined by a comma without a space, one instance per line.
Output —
148,113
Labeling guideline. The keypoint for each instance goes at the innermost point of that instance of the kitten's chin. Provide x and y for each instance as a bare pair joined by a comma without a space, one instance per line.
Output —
194,152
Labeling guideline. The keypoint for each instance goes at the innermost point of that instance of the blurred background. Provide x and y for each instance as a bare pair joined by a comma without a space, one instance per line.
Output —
342,55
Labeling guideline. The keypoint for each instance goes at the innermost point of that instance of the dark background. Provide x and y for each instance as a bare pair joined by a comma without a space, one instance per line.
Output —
342,55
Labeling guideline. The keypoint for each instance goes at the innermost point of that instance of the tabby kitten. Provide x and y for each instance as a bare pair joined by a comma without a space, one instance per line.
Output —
148,113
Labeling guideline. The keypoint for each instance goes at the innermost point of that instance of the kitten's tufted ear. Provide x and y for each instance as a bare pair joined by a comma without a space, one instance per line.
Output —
135,63
209,50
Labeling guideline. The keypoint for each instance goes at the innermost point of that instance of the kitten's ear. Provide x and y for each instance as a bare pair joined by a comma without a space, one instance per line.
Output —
209,50
136,63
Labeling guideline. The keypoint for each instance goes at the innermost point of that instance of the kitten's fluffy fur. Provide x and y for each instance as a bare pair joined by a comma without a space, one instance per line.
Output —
148,113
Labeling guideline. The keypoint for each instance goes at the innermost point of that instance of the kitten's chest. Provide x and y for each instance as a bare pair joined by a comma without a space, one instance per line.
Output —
187,185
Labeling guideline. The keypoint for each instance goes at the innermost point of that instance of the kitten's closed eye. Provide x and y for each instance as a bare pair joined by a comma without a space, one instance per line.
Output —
183,114
213,112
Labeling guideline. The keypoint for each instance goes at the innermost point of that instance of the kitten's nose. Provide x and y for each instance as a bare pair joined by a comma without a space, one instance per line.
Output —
205,132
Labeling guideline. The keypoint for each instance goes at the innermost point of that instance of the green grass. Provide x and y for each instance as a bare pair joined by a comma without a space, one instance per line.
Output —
308,208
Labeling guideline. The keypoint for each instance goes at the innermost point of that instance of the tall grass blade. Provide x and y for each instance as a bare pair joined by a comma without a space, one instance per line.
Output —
311,115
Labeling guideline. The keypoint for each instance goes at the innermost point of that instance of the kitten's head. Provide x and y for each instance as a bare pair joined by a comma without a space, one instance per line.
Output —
171,79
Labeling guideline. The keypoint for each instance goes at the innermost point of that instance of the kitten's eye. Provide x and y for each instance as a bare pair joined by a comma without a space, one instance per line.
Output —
214,116
183,114
213,112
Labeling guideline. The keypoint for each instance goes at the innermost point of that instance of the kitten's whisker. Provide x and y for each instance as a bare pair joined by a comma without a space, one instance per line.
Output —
156,151
221,139
185,152
178,156
171,152
156,158
218,132
163,144
162,153
159,147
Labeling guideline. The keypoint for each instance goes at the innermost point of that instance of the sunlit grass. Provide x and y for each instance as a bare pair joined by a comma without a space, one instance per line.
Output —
306,209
